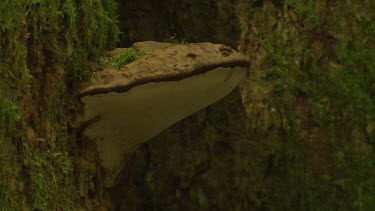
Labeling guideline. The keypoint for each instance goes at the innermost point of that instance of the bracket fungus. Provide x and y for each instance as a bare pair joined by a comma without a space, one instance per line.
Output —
134,104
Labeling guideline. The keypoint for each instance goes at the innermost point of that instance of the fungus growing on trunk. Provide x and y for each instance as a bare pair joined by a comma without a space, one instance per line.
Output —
137,102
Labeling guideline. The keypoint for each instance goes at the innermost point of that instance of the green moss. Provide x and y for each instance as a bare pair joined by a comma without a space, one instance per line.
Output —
9,114
45,50
306,9
124,57
50,177
312,101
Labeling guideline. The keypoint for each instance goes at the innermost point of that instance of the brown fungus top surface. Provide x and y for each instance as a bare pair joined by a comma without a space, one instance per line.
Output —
165,63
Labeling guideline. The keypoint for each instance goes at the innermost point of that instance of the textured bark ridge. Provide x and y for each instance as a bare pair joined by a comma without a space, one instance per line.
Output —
134,104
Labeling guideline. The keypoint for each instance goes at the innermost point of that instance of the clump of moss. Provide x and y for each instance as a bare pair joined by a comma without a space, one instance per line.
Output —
125,57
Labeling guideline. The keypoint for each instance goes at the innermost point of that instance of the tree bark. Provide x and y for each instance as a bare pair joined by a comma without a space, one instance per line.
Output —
297,135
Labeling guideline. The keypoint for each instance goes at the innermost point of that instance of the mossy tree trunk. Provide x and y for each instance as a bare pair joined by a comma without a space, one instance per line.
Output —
45,52
314,66
298,134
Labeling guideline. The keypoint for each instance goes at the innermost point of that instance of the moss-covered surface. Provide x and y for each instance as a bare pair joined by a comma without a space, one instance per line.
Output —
310,100
45,51
298,135
124,57
301,138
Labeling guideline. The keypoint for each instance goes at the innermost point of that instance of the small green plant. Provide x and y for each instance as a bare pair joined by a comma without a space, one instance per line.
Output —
176,40
126,56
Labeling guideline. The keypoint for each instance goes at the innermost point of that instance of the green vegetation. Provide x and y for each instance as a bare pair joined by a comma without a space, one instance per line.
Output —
177,40
126,56
45,51
310,100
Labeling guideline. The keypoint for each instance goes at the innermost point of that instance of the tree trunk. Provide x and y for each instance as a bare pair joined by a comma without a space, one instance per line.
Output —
297,135
45,52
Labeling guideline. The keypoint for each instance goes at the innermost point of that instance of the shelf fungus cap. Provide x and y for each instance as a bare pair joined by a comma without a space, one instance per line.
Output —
134,104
